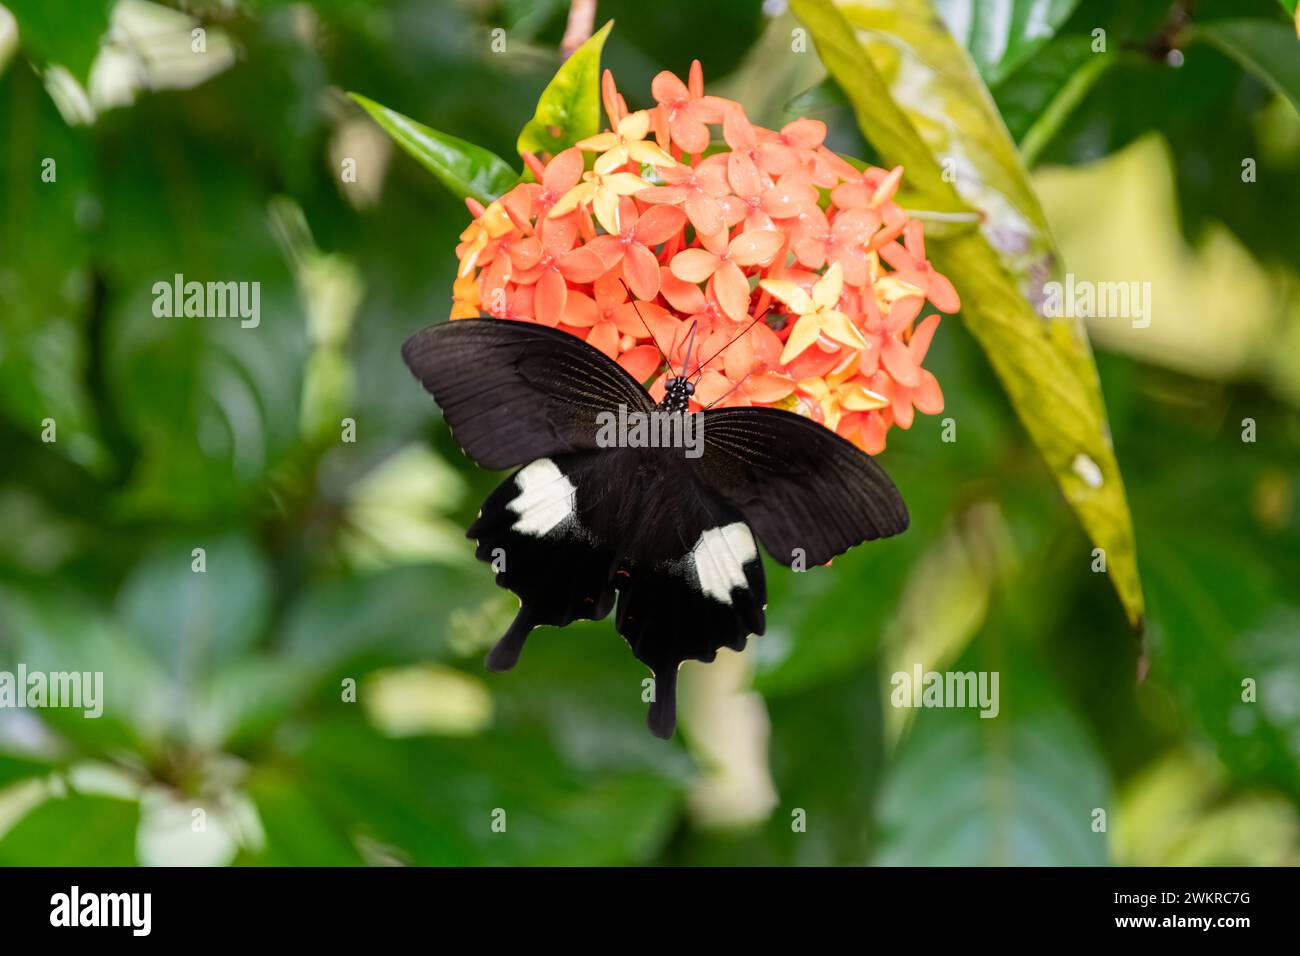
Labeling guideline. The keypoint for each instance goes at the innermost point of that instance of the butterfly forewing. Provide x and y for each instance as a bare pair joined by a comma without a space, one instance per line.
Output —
513,392
802,488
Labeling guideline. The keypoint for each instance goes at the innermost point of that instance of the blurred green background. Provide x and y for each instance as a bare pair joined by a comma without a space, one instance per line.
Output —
332,564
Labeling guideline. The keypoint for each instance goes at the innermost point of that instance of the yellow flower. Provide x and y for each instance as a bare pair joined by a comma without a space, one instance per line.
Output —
841,391
817,313
603,191
626,144
493,224
465,298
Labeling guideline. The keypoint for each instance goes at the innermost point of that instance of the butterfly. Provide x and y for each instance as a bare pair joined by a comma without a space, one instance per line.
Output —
666,541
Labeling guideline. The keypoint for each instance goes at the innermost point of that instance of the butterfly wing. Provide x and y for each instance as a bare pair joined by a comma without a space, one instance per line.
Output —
802,488
545,532
572,534
514,392
690,581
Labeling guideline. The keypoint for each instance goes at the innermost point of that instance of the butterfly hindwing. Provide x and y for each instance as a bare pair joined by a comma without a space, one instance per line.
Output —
571,533
687,590
513,392
534,533
802,488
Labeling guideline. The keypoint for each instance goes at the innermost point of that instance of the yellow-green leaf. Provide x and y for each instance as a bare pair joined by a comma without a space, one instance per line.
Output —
465,169
569,109
920,102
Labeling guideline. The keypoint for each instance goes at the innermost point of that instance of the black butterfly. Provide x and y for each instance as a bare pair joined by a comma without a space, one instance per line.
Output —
580,527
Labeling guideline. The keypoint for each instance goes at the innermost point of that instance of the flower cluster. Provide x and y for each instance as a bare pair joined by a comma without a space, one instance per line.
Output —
633,236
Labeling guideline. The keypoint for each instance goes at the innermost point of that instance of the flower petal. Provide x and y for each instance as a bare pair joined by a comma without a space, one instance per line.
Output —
598,143
837,326
640,362
685,297
642,271
767,387
928,396
581,265
704,212
805,332
550,298
738,358
941,292
563,172
731,289
920,341
694,265
658,224
711,387
580,310
899,363
649,153
666,88
605,338
791,293
826,293
755,247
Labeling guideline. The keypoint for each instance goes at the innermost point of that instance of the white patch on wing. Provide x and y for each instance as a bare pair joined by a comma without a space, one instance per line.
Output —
720,557
546,498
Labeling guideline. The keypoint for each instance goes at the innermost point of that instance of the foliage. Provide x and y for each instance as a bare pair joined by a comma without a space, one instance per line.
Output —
336,567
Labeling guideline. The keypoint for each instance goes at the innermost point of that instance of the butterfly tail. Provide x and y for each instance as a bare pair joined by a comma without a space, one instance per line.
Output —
662,718
505,653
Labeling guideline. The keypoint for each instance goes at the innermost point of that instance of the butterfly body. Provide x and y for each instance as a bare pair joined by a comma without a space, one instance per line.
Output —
665,541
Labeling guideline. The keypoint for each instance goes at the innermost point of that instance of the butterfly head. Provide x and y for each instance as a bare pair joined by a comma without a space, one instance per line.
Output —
677,395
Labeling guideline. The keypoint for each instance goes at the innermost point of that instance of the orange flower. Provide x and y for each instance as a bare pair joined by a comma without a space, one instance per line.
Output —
685,109
911,267
633,247
722,264
633,263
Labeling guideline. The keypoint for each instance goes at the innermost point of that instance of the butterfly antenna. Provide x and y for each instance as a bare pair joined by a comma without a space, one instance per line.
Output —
728,392
647,325
699,369
690,342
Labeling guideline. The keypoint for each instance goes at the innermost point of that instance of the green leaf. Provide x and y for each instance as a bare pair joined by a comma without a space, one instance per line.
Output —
465,169
66,32
435,800
196,621
206,404
919,102
1018,789
104,829
299,831
1002,34
569,109
1269,50
1218,620
15,767
47,291
1038,98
